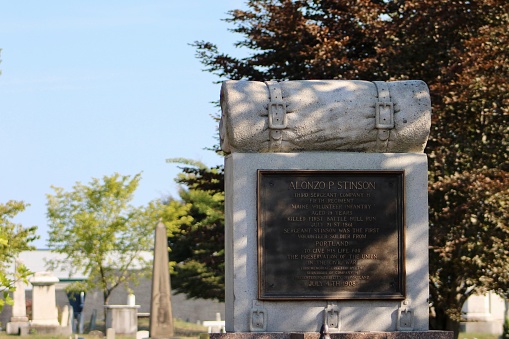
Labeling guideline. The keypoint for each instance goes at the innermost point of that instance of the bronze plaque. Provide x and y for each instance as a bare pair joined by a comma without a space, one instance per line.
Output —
331,235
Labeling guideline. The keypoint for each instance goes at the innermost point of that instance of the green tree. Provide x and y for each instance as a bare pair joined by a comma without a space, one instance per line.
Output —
470,255
14,238
505,329
460,49
100,233
196,235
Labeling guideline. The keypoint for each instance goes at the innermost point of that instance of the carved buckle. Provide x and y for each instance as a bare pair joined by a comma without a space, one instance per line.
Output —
258,319
384,115
332,319
277,115
405,320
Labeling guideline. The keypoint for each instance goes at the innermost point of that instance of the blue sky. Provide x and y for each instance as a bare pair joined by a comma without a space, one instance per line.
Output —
90,88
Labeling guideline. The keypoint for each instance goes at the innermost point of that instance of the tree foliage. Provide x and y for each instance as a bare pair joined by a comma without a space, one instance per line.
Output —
470,255
14,238
460,49
101,235
196,235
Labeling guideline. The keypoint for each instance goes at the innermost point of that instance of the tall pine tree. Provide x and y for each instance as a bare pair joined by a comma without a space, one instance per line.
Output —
196,233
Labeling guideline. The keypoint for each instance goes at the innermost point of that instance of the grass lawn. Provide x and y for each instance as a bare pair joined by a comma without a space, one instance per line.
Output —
182,330
478,336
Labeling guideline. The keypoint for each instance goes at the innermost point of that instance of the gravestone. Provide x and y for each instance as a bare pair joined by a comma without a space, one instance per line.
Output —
142,335
122,318
44,309
326,219
66,319
19,319
161,319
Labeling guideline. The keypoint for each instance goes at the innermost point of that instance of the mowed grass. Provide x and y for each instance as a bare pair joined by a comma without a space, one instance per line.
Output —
182,330
478,336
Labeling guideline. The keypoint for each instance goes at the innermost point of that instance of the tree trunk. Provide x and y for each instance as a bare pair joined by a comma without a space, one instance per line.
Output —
441,321
106,297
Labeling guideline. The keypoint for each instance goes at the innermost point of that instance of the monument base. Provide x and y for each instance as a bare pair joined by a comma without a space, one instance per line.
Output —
246,311
341,335
50,329
17,327
122,318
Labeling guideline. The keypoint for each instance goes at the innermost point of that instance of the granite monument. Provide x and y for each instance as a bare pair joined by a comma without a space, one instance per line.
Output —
326,215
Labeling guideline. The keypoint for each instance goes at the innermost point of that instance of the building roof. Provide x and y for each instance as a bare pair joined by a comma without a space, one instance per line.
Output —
40,260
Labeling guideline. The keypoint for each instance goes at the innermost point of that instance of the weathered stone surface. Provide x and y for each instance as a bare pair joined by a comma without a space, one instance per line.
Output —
283,138
44,308
122,318
325,115
19,319
307,315
19,313
161,321
17,327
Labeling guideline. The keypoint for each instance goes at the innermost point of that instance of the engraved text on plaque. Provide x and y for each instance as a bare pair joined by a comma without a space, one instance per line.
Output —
331,234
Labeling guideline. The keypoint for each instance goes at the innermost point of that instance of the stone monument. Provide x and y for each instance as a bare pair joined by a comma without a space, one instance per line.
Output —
19,319
326,219
161,319
44,308
122,318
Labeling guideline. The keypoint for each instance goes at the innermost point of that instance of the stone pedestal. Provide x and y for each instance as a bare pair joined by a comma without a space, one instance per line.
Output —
19,319
245,312
44,309
17,327
122,318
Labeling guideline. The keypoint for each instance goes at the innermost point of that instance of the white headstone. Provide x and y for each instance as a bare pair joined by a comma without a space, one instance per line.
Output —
142,335
64,318
44,308
131,299
19,319
19,313
122,318
110,333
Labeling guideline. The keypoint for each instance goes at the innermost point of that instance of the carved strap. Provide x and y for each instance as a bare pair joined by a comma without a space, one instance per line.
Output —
277,115
384,115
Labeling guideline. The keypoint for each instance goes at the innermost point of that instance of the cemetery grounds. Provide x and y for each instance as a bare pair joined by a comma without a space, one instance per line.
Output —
183,330
188,331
